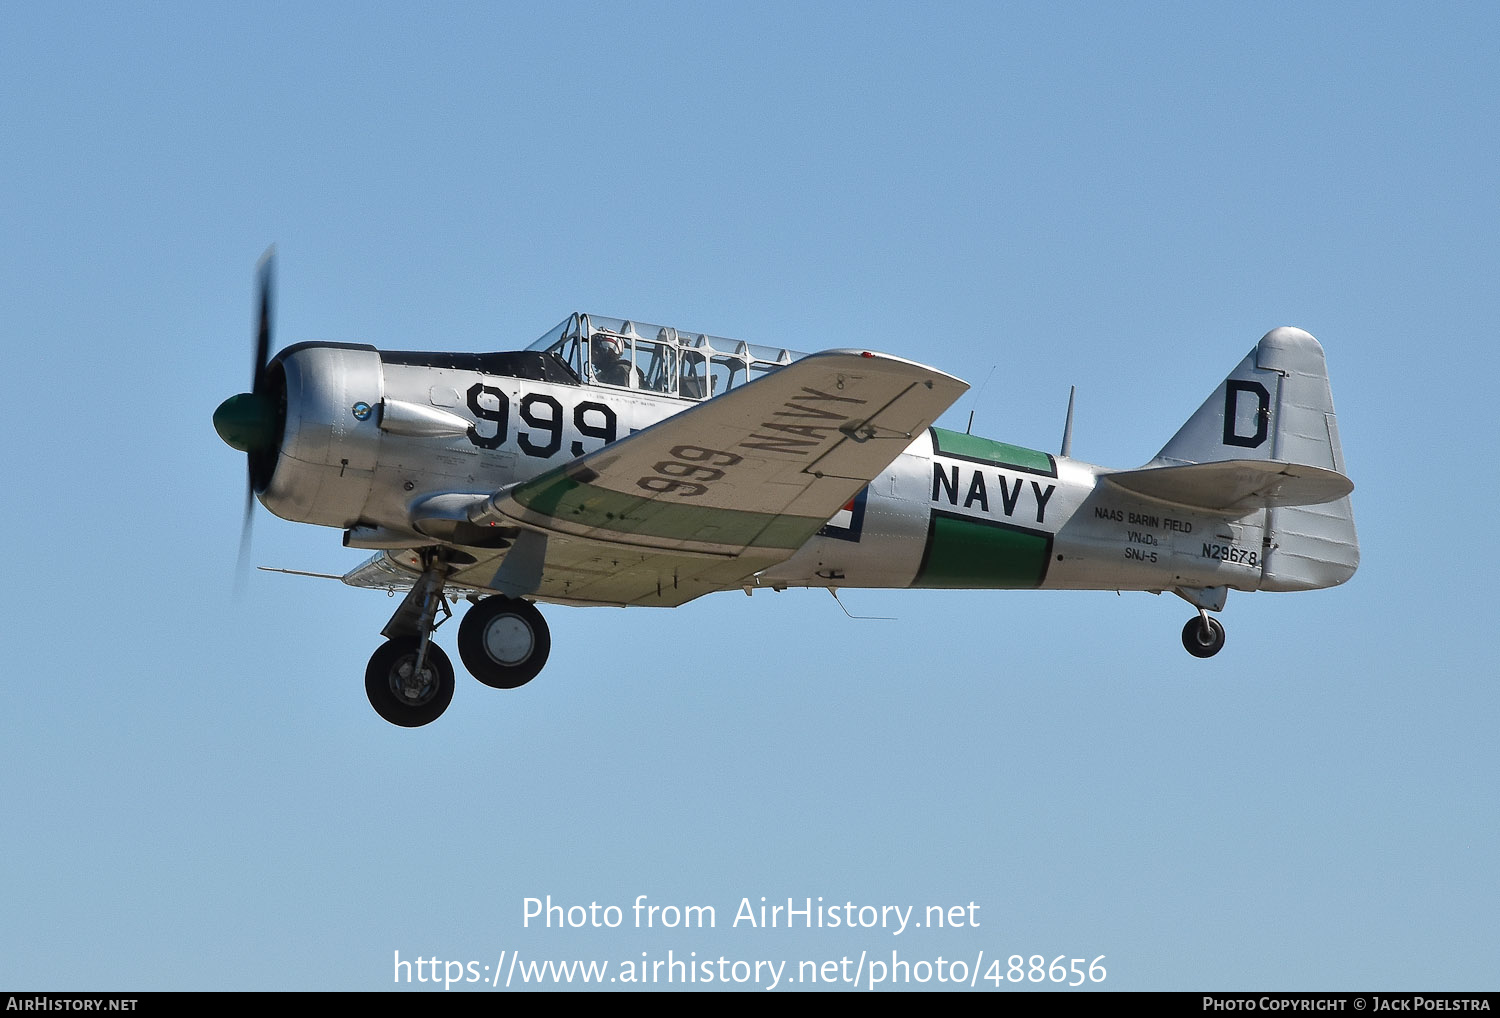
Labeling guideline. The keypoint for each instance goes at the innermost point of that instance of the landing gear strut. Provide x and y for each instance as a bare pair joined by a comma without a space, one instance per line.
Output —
409,679
504,641
1203,636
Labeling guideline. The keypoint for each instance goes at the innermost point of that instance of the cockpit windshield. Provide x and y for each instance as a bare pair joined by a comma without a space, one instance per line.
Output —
634,355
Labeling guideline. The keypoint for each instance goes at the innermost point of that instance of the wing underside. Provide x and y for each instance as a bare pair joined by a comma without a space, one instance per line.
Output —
577,571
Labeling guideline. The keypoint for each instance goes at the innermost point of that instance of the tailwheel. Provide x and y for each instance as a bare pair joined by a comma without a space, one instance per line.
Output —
1203,636
504,641
403,693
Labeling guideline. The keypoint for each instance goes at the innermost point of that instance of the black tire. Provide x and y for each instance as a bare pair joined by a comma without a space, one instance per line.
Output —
504,642
1201,643
394,698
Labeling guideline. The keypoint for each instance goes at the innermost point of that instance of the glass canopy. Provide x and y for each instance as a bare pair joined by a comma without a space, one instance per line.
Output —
635,355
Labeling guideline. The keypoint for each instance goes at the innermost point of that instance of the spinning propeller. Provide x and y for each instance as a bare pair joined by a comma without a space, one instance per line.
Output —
251,421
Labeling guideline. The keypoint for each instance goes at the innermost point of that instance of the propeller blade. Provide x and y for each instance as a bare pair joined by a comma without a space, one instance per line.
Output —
265,273
265,282
242,567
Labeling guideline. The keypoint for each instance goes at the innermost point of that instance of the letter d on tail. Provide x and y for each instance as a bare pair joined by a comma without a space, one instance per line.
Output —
1235,413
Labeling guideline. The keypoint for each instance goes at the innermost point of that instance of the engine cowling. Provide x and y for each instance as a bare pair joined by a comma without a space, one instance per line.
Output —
323,466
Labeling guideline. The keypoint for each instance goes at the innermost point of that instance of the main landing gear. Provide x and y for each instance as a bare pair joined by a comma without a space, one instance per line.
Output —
407,684
503,641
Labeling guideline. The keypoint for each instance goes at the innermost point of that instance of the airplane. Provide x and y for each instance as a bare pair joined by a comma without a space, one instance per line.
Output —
613,462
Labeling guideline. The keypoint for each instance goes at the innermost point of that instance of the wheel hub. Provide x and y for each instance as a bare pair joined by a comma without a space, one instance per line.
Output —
508,640
414,687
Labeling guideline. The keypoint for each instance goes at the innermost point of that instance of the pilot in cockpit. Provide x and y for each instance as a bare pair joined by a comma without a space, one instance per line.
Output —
609,363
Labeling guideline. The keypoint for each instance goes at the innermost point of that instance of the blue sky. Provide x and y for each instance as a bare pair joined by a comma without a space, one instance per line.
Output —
1122,198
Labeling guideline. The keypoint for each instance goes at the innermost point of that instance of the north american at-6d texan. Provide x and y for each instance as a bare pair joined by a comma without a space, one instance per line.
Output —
619,463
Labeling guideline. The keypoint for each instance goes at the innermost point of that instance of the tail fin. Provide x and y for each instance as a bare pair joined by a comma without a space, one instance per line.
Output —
1277,407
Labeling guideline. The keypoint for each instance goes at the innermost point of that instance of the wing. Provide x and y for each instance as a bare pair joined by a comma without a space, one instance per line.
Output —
707,498
762,467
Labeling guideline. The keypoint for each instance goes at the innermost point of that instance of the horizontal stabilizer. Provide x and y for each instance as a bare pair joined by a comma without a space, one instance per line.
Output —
1235,487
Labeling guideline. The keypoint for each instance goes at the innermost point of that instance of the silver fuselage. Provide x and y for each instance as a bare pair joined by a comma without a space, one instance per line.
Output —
371,437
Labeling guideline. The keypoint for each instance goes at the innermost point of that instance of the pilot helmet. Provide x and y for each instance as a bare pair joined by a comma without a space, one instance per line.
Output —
608,348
